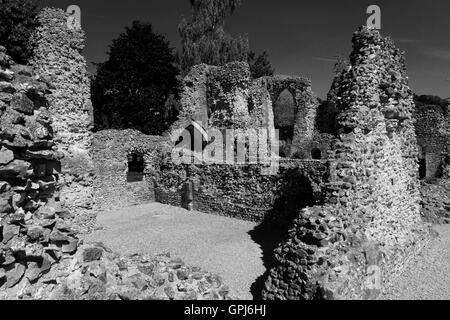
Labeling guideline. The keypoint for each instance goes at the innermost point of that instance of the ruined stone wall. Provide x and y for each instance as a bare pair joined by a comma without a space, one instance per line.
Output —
57,55
352,247
35,233
225,98
433,137
242,191
193,98
110,151
306,104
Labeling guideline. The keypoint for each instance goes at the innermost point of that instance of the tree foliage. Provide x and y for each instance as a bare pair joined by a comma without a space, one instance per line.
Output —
17,22
261,65
130,89
204,39
431,100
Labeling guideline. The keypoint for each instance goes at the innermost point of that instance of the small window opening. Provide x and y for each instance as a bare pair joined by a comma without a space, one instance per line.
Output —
316,154
135,167
422,168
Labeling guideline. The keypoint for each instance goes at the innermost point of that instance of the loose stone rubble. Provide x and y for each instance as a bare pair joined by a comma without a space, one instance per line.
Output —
34,229
96,273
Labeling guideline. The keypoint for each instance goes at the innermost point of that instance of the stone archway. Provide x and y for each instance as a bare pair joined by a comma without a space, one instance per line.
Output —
285,111
306,104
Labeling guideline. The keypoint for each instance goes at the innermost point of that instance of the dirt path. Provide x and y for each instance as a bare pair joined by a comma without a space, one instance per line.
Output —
216,244
428,277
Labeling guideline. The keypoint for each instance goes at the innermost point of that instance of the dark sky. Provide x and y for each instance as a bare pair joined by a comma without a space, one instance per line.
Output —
302,37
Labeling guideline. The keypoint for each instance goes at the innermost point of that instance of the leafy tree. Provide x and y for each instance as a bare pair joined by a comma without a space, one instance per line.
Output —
261,65
17,21
431,100
204,39
131,88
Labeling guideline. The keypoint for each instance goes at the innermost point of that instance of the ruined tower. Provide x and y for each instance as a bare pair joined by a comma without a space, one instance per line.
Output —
57,55
370,225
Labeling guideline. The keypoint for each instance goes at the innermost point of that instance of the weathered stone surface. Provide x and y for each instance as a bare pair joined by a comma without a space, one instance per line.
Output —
5,60
372,207
38,269
16,169
22,70
57,55
7,87
6,156
182,274
224,97
5,202
6,75
275,198
26,220
70,247
47,212
14,274
110,151
92,254
59,237
436,201
433,135
110,276
22,103
35,232
9,232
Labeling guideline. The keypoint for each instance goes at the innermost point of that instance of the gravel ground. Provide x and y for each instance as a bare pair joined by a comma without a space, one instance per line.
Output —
428,276
216,244
224,246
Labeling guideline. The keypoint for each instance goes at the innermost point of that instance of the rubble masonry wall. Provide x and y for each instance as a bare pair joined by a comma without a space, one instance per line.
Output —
57,54
354,245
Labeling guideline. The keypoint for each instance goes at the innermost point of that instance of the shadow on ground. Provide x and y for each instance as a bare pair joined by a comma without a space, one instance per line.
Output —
295,194
268,237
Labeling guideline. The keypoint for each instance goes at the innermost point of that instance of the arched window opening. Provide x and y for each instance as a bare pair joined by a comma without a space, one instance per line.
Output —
284,118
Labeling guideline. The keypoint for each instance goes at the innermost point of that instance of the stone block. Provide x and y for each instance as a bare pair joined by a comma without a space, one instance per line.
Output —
6,156
21,103
92,254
